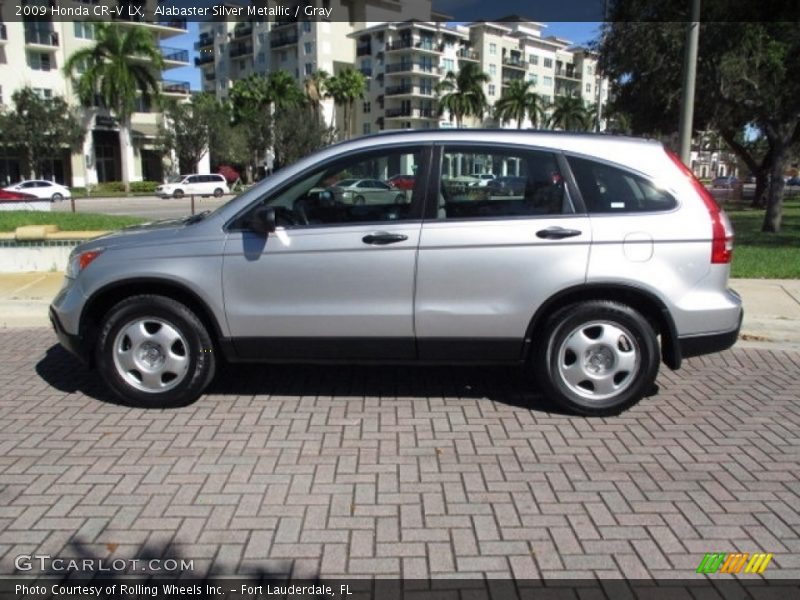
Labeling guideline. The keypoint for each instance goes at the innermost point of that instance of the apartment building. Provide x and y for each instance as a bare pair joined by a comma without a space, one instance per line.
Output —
33,53
228,51
406,60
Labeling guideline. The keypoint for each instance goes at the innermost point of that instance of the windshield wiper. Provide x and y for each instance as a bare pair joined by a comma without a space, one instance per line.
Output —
196,218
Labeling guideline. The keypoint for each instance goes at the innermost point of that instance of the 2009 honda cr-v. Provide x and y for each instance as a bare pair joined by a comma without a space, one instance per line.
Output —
608,258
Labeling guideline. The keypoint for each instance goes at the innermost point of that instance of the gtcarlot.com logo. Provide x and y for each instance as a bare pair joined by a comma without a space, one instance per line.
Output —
45,562
733,562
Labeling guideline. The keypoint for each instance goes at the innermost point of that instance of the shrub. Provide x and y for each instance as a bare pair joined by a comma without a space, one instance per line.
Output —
146,187
229,173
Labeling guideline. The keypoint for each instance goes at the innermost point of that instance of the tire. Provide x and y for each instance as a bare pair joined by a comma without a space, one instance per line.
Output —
359,200
56,197
218,193
620,353
154,352
400,199
177,194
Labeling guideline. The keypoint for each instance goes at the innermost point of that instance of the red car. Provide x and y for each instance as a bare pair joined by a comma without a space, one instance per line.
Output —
402,182
9,195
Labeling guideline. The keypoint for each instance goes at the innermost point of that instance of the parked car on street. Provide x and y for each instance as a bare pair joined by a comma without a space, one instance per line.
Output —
11,195
402,182
727,182
610,259
483,179
366,191
507,186
179,186
41,188
793,181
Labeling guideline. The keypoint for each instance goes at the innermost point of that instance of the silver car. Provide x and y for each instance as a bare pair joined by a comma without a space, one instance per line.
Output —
610,260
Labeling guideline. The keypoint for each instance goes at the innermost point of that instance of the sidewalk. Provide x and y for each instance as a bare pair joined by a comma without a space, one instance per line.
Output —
771,306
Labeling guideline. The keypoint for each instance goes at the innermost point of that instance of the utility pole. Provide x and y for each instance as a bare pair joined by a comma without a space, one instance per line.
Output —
689,75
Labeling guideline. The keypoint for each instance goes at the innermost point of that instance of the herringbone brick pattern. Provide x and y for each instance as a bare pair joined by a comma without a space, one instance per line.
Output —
338,471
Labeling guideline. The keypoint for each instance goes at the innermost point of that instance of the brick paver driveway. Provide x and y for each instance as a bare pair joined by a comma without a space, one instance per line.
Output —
398,471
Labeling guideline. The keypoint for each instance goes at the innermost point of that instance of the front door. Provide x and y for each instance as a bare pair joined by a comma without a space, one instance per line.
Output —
336,279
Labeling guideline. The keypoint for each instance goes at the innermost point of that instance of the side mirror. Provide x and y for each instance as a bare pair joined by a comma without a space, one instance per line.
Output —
263,220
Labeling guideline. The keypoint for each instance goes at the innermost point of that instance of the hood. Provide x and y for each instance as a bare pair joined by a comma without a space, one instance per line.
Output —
162,231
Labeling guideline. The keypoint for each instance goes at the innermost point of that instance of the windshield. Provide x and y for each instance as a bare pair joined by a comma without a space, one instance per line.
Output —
175,178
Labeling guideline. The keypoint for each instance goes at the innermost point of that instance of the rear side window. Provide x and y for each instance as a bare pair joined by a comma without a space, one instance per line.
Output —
607,189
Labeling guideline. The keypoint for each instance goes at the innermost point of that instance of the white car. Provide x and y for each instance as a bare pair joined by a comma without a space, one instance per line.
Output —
483,180
41,188
367,191
179,186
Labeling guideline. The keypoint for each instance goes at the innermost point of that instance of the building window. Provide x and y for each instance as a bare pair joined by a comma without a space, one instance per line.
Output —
492,48
83,30
590,70
1,95
533,59
262,58
262,38
308,47
309,68
39,61
547,81
491,89
533,78
283,55
448,64
548,63
492,70
588,88
367,129
43,93
367,107
306,26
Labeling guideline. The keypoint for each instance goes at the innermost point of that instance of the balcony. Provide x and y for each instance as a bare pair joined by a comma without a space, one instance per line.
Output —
240,49
366,71
568,74
364,49
174,88
242,30
175,55
467,54
41,37
283,23
174,24
205,58
3,32
411,113
204,41
514,62
399,45
408,67
210,75
409,90
283,39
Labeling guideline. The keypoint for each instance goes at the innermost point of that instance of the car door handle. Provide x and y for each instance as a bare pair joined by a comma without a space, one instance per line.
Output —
381,238
556,233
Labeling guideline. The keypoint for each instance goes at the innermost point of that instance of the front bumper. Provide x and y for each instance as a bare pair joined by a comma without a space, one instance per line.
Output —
74,344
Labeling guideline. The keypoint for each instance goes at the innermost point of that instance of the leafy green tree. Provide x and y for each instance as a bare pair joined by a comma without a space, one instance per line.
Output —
38,129
462,94
570,114
123,63
314,90
746,77
297,135
345,88
190,129
518,101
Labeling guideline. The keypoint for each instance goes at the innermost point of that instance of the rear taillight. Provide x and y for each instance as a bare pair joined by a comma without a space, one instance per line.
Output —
721,230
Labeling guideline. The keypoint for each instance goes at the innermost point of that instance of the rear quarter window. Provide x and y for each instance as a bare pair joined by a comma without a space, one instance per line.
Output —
606,189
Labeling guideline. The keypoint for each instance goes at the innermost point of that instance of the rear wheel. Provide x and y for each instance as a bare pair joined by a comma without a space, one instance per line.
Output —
597,358
177,194
153,351
358,200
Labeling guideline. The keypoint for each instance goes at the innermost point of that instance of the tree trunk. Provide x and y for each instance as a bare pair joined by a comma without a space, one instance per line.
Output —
772,216
760,195
126,152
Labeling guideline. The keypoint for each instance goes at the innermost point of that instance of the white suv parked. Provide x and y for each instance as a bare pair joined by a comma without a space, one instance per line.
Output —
199,185
604,258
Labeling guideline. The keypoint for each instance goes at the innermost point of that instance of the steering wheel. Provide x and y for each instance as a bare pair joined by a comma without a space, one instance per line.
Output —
289,216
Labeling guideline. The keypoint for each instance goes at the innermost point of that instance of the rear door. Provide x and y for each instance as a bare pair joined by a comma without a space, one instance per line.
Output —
488,260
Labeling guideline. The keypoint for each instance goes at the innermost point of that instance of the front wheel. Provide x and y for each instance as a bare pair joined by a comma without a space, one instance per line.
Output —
153,351
218,193
597,358
177,194
57,197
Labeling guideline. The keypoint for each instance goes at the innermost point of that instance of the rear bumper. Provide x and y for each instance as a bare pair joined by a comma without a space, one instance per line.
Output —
74,344
697,345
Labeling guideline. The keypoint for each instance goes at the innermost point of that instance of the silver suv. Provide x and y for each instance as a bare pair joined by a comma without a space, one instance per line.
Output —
604,258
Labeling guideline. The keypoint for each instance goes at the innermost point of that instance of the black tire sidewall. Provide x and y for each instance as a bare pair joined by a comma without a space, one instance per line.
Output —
218,193
178,194
565,321
200,350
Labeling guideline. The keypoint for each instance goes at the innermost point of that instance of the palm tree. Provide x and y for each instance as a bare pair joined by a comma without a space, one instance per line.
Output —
283,91
569,114
345,88
122,63
314,89
517,101
462,94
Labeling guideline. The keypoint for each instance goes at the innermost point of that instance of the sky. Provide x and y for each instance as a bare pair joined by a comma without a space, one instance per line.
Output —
578,32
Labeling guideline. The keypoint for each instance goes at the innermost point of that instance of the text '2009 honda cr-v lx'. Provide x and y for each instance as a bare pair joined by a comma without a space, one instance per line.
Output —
600,258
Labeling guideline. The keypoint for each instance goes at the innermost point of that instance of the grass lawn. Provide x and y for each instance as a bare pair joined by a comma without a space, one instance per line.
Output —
766,255
11,219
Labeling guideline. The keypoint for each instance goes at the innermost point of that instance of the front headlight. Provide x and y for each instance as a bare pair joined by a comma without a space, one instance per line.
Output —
78,261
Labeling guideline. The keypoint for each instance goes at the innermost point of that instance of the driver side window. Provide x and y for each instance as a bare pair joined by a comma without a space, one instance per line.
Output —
354,190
